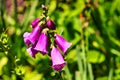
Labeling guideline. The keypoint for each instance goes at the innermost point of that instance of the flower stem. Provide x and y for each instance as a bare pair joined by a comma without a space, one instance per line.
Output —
15,10
60,74
84,55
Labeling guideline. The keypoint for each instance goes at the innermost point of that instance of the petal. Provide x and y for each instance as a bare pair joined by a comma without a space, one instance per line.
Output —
26,38
26,34
31,51
42,44
27,42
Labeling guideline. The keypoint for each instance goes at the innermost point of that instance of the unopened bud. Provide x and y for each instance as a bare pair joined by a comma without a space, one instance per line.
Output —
51,25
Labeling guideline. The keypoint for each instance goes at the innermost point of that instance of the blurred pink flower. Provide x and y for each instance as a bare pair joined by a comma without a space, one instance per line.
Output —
62,43
57,59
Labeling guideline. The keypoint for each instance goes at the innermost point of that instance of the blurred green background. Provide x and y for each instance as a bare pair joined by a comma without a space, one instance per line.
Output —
92,26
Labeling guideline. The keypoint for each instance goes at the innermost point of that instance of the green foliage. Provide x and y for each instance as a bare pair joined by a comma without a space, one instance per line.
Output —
95,57
93,27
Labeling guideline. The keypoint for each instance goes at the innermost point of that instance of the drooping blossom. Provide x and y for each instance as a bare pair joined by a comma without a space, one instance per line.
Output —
51,25
34,35
62,43
31,51
26,38
57,59
42,40
42,44
35,22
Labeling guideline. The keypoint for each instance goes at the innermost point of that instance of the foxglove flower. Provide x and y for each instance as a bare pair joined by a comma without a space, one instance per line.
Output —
42,44
62,43
31,51
51,25
34,35
57,59
35,22
44,39
26,38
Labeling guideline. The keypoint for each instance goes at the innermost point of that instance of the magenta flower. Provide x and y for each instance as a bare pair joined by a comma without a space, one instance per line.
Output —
57,59
34,35
35,22
51,25
62,43
31,51
26,38
42,44
44,39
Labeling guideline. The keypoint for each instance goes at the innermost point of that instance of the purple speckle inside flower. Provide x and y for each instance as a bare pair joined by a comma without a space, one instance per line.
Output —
58,67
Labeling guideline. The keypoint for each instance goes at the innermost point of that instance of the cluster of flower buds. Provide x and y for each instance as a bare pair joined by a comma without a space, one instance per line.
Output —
45,40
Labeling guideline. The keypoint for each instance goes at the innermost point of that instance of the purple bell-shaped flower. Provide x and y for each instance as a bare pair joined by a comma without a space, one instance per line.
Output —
31,51
26,38
51,24
62,43
35,22
42,44
34,35
57,59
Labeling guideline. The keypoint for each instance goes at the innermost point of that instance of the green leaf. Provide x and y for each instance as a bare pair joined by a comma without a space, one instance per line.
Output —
102,78
94,56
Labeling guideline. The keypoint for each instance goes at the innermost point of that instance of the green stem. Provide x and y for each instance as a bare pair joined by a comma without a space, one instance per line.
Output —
90,71
88,64
60,74
84,56
15,10
110,76
69,77
47,2
80,63
2,21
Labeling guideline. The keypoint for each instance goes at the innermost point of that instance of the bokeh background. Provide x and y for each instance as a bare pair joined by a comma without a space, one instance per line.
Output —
92,26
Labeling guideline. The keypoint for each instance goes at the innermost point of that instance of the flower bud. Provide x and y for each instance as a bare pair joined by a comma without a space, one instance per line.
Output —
51,24
35,22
